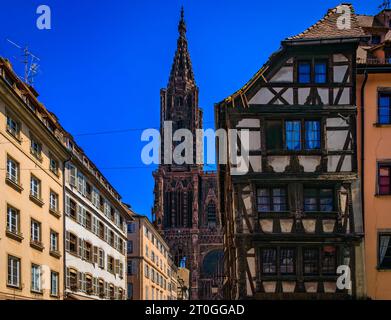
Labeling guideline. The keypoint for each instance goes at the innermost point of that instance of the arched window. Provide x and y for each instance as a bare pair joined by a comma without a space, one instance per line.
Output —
211,214
212,266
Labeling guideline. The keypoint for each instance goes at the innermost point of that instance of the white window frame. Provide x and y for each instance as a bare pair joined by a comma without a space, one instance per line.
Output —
35,187
13,271
12,170
36,278
53,200
54,281
12,219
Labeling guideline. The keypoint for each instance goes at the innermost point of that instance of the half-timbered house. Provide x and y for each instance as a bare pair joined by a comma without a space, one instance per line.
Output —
295,216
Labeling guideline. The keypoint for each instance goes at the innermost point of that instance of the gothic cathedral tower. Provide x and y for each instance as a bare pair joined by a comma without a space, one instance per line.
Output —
186,207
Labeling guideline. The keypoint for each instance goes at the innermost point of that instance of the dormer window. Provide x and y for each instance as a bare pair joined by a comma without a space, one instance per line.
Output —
304,72
320,71
312,71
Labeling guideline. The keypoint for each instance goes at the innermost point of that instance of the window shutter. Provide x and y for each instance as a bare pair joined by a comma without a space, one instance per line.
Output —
67,241
95,286
93,225
72,175
81,248
106,233
78,213
95,260
116,269
68,279
115,241
80,281
67,205
103,259
107,290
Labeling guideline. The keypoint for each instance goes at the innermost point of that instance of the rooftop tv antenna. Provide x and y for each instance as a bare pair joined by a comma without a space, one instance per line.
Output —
30,62
385,5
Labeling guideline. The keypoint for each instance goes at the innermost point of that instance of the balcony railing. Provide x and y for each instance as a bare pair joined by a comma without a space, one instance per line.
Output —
374,61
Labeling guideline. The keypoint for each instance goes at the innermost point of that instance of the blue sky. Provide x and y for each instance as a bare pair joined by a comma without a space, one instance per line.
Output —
103,64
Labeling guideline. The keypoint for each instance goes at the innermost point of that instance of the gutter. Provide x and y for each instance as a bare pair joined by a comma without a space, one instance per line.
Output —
363,146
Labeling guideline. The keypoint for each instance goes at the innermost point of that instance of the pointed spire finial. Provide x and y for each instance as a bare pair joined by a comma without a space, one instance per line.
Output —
182,23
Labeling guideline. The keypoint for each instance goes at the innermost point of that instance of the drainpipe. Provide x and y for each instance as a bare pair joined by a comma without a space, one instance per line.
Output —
363,146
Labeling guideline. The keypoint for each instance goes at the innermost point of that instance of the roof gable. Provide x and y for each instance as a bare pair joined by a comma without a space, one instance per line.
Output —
327,27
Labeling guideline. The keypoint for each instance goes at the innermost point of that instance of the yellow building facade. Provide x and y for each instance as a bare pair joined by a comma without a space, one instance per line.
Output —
374,135
148,267
31,194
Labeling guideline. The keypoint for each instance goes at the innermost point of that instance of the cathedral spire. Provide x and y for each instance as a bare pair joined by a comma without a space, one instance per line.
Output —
181,71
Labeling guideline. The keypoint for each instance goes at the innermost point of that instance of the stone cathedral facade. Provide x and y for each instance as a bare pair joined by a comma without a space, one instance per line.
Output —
186,208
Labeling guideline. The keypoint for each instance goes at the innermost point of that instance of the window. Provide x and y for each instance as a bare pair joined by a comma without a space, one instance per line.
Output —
88,220
384,110
375,39
269,261
36,149
89,285
110,264
130,246
72,243
384,251
53,241
318,200
101,288
54,278
101,228
13,272
53,200
320,71
72,210
36,278
293,135
384,179
13,127
112,292
111,238
35,231
329,260
130,291
13,220
35,187
146,271
101,259
271,199
88,251
312,135
130,267
211,212
311,261
304,72
53,166
73,280
12,170
287,261
146,293
274,135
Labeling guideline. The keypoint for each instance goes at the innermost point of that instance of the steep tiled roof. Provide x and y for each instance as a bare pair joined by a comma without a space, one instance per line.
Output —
365,21
327,28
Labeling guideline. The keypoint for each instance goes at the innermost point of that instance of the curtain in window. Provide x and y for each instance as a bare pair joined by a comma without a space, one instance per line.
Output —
312,134
292,129
320,72
304,72
384,242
